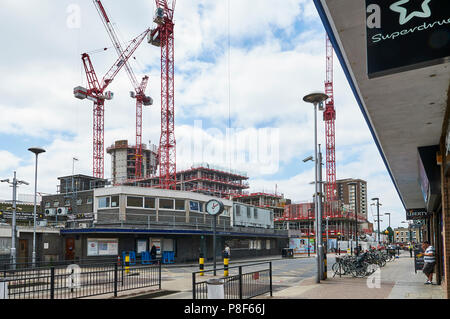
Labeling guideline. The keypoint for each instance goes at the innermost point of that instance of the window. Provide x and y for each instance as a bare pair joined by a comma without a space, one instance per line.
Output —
89,200
238,210
255,213
79,201
47,205
179,204
67,202
56,204
149,202
166,203
133,201
194,206
249,213
103,202
115,201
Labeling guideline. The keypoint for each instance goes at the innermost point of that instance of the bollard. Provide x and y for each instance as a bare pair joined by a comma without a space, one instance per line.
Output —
201,265
325,265
127,264
226,260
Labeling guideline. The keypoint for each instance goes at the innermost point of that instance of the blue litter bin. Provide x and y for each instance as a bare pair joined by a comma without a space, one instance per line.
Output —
168,257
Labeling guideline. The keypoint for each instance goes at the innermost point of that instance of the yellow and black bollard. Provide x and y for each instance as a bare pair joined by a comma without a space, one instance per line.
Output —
226,260
201,264
325,265
127,264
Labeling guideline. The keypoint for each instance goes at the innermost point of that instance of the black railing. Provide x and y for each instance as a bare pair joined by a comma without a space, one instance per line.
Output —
79,281
239,284
6,263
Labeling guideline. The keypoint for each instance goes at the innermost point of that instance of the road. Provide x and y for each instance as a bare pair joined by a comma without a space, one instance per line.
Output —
177,281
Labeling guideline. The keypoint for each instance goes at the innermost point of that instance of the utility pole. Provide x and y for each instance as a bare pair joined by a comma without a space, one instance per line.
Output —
14,184
378,216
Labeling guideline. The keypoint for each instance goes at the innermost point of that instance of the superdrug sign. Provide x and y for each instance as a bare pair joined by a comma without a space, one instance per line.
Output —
406,34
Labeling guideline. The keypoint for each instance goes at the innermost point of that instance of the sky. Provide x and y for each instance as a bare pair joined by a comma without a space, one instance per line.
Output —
241,71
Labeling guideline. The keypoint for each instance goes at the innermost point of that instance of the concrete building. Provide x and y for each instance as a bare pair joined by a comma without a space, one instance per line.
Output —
406,235
261,199
353,192
123,161
114,219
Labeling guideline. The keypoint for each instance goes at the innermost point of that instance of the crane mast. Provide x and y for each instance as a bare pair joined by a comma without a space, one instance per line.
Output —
163,36
329,117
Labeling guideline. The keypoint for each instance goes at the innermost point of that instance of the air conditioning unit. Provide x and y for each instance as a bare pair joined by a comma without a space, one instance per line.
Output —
50,212
62,211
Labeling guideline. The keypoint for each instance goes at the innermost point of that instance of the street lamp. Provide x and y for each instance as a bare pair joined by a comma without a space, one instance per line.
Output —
317,99
354,184
339,239
378,216
36,151
15,182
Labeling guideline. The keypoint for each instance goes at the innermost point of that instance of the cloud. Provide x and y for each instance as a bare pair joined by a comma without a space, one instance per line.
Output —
277,55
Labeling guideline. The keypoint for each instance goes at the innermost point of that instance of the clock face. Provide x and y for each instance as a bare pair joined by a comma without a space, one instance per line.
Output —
214,207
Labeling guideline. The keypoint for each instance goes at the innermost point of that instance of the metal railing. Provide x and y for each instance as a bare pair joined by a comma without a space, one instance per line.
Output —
240,285
79,281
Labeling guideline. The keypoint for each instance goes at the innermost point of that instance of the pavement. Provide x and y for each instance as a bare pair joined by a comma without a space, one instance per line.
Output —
397,280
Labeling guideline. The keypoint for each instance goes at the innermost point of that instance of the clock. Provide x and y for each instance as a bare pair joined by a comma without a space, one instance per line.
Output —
214,207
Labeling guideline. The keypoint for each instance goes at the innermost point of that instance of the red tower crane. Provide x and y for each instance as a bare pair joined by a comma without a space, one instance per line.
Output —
163,37
96,93
139,89
329,117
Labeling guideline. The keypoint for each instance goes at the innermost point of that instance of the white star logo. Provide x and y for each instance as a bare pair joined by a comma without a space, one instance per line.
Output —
404,17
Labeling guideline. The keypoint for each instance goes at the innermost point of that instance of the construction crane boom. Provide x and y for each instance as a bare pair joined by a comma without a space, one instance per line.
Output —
139,89
97,93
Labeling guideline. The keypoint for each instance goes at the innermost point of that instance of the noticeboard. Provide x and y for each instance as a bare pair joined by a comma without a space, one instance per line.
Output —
404,35
418,260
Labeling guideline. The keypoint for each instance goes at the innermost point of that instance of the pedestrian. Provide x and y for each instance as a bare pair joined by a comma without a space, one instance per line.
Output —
227,252
429,262
153,252
410,250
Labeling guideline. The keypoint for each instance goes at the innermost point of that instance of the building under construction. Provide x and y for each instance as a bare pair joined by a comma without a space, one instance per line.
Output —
123,162
273,201
203,178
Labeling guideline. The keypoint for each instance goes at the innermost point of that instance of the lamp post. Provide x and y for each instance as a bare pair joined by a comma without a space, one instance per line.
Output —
14,184
354,184
339,239
317,99
36,151
378,216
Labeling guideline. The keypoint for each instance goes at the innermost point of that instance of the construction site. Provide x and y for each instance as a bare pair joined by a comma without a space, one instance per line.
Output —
146,191
155,167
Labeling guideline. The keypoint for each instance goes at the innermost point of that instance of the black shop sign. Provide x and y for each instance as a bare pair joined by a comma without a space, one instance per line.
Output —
414,214
404,35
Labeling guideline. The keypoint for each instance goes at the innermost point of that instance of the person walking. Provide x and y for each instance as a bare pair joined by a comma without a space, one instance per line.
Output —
227,251
410,250
429,262
153,253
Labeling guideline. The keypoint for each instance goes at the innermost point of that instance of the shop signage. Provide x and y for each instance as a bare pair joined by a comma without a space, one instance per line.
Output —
404,35
418,260
412,214
19,215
